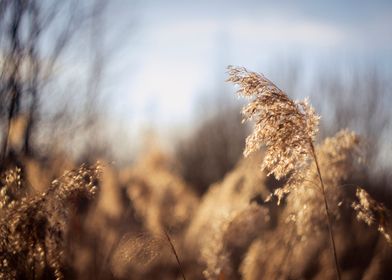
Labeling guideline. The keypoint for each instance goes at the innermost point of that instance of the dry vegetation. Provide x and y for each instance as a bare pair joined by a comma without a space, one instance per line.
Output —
145,221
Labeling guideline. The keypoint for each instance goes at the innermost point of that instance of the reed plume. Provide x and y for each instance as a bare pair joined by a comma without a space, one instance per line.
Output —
373,212
236,220
286,128
33,228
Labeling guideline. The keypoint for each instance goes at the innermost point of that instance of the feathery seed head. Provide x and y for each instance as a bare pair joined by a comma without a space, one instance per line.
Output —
287,128
372,212
32,228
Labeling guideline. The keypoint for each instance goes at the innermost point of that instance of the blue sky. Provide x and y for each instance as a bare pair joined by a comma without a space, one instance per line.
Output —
175,51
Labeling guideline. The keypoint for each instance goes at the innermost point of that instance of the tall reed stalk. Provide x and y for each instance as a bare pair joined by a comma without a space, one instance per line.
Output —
327,212
287,129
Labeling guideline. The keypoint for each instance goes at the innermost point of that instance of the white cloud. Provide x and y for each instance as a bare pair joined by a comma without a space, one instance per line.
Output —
281,31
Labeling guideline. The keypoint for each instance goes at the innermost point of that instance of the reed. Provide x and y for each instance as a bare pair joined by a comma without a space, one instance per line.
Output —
287,129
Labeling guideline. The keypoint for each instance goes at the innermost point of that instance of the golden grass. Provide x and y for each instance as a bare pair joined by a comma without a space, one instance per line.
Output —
145,222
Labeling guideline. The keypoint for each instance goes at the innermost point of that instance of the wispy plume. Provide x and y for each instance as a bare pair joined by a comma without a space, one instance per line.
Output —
33,229
373,212
286,128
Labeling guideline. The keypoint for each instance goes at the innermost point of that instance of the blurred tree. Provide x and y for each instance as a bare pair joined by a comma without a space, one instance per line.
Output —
214,147
359,98
33,36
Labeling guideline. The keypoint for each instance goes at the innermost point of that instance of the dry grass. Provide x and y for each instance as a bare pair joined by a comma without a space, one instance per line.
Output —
227,220
372,212
287,129
144,221
33,228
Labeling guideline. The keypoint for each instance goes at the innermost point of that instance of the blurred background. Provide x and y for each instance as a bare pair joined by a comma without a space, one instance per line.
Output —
97,78
140,85
129,68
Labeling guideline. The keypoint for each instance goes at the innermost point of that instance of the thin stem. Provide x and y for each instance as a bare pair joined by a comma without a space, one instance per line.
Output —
175,253
327,213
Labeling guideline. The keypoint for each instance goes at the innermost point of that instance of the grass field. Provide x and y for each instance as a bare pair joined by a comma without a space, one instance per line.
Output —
292,208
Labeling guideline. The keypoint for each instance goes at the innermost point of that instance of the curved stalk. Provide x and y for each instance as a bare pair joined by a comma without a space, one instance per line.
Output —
329,220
